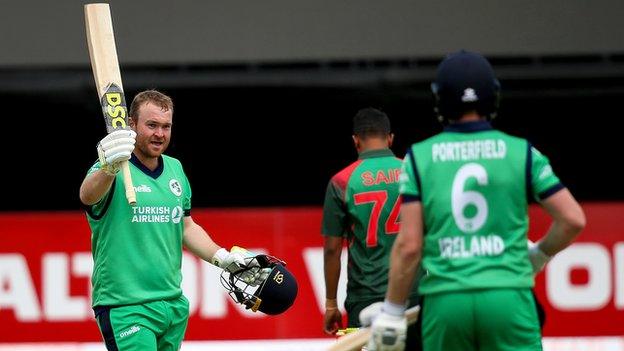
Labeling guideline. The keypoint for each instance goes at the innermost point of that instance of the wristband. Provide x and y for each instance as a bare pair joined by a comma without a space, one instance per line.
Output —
219,257
393,309
331,304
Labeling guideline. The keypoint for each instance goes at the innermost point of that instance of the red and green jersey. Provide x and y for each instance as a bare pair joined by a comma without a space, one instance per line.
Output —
137,250
362,205
474,183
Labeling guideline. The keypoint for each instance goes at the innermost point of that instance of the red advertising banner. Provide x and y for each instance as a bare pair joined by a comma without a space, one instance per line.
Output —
582,288
45,266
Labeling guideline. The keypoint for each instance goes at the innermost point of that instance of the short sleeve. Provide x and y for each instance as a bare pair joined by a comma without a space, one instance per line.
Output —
96,167
544,182
97,210
187,194
334,221
408,180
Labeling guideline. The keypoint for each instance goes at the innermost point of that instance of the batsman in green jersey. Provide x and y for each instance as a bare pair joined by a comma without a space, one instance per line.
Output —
137,250
465,197
361,207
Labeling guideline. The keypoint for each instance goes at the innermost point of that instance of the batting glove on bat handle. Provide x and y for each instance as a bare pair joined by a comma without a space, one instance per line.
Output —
388,333
537,257
115,148
368,313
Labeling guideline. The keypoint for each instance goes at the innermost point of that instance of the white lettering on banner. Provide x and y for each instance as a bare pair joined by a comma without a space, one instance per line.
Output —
16,288
313,258
216,300
618,258
58,304
565,295
82,266
208,299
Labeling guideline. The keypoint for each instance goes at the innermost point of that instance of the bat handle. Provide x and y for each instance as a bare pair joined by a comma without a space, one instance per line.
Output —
130,193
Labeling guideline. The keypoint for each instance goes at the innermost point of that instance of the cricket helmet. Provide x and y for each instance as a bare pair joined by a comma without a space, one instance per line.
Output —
273,296
465,81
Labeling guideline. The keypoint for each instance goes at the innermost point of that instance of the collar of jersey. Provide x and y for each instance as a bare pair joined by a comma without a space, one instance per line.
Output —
468,127
375,153
155,173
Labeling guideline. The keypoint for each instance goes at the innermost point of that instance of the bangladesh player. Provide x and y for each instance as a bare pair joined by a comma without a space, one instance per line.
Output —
465,198
362,207
137,251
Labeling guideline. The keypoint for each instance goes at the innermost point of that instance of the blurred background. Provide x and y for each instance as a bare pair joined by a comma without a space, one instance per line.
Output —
264,96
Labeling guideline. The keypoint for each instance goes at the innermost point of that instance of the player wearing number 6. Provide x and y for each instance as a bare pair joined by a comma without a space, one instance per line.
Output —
465,197
362,207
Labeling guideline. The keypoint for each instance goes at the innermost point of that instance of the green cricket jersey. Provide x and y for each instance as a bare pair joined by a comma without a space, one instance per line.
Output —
137,251
474,183
362,205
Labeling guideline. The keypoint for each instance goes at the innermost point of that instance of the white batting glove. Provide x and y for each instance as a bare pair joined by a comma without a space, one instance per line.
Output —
369,313
115,148
238,259
388,333
537,257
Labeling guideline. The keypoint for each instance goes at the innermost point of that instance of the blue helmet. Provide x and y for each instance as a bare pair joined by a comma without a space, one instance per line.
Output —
273,296
465,81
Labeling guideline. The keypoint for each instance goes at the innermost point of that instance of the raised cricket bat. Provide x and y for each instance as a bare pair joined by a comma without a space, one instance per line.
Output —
103,54
356,340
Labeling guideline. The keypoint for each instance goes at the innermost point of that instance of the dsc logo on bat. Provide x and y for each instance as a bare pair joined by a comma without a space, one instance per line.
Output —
114,106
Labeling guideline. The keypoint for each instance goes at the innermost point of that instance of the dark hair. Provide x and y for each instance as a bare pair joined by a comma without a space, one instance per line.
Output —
371,122
150,96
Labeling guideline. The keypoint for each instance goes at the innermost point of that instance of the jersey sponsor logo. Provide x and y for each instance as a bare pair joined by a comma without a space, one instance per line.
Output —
157,214
469,150
151,214
381,176
175,187
478,245
142,189
176,214
132,330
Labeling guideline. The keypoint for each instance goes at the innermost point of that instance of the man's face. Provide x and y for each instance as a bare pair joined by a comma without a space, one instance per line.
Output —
153,128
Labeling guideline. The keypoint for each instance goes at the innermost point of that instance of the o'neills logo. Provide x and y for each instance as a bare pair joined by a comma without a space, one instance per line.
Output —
132,330
142,189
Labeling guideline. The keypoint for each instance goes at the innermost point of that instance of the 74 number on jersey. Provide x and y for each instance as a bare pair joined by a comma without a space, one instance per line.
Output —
379,199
